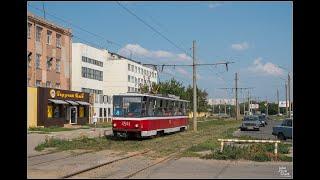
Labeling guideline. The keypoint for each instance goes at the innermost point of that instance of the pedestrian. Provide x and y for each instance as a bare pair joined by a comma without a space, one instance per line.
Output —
94,121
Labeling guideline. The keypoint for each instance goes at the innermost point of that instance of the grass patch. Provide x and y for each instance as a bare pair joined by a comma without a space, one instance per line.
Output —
50,129
100,125
187,142
253,152
207,132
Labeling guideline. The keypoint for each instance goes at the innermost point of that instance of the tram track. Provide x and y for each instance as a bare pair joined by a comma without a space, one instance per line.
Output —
66,157
101,165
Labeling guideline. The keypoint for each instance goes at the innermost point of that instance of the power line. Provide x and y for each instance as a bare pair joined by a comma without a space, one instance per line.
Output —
162,27
151,27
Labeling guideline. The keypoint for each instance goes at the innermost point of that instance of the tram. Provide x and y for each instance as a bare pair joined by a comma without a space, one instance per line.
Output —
145,115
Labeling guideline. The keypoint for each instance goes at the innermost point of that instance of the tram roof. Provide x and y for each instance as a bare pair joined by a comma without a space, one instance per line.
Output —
150,95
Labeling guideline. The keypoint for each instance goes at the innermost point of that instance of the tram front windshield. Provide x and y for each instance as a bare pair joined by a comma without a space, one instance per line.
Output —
127,106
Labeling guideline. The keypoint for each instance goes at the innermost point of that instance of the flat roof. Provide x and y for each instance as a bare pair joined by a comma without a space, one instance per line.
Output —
150,95
125,58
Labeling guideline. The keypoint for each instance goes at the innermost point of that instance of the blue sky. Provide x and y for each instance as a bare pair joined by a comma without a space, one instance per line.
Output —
257,36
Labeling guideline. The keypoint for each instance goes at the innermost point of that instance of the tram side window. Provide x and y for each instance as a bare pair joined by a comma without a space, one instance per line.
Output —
157,109
184,112
177,108
158,106
152,107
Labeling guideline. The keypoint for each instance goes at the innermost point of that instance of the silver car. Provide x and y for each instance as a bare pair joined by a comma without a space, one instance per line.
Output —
250,122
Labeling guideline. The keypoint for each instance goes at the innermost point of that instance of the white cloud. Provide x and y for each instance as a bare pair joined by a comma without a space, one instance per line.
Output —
138,50
214,5
183,72
240,46
184,57
265,69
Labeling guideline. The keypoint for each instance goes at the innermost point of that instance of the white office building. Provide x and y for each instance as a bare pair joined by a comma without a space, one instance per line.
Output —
90,74
126,75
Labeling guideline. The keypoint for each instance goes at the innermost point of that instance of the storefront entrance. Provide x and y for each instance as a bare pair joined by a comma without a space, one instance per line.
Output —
73,115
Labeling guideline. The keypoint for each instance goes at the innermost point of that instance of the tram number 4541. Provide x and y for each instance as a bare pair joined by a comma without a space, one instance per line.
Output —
125,123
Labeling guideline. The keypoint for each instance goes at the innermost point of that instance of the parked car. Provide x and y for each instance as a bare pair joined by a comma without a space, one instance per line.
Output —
284,130
263,120
250,122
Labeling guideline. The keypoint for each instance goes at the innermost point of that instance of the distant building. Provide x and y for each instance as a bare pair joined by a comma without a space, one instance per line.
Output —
221,101
48,54
126,75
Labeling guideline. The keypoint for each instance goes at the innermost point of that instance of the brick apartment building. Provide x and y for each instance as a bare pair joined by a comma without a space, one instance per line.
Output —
48,54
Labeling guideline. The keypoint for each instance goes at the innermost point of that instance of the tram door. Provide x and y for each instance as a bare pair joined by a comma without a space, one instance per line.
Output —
73,115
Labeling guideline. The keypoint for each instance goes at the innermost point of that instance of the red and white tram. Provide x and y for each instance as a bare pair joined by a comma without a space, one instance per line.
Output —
143,115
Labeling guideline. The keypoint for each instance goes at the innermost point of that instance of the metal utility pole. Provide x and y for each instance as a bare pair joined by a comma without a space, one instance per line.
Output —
225,107
267,112
289,95
236,94
278,101
286,99
194,87
249,101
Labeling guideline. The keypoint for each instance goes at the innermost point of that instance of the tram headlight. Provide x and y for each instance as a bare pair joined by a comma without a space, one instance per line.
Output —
114,124
136,125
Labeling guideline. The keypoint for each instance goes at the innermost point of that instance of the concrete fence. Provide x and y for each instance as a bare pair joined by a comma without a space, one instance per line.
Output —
251,141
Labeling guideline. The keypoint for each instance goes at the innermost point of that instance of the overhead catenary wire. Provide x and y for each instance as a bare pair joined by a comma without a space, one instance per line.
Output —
154,29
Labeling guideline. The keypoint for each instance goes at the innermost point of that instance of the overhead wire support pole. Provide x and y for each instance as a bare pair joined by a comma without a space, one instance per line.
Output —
236,94
289,95
278,101
194,88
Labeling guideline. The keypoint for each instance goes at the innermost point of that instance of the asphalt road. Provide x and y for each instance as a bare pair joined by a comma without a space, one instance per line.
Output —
264,133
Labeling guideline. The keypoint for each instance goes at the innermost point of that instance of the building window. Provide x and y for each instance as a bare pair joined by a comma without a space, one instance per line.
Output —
129,67
100,112
81,112
139,70
29,30
109,111
48,84
58,65
38,56
128,89
50,111
38,33
49,63
135,89
105,112
58,40
56,113
128,78
49,34
38,83
92,74
92,61
135,69
135,80
29,58
58,85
